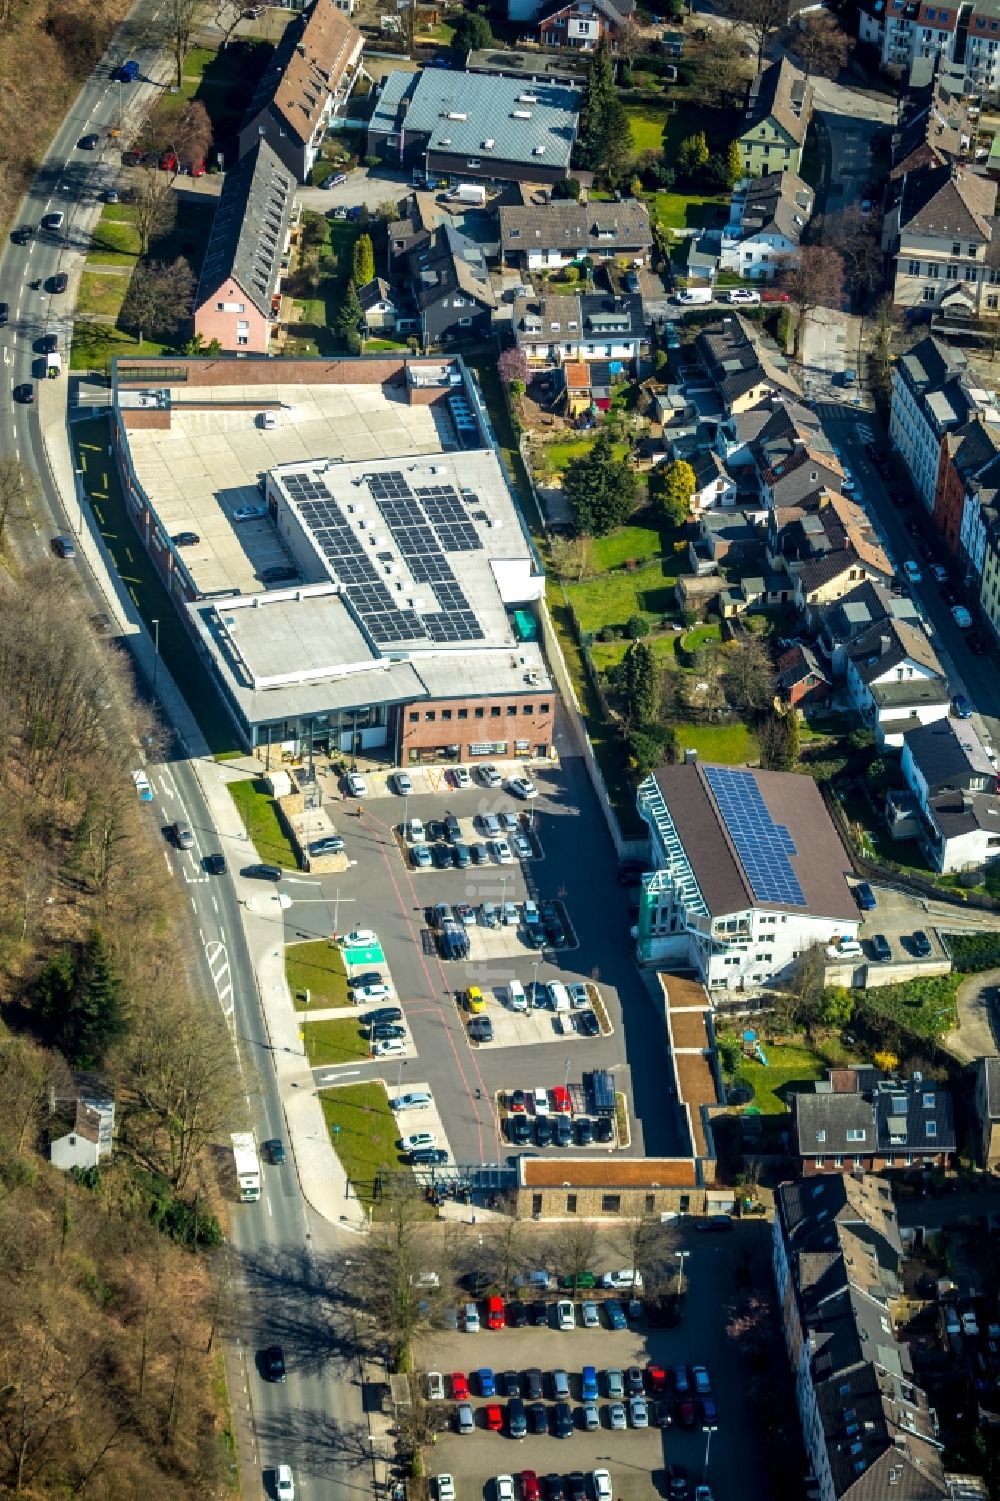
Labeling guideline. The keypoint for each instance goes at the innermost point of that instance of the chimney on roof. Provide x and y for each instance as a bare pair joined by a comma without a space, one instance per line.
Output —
884,644
690,757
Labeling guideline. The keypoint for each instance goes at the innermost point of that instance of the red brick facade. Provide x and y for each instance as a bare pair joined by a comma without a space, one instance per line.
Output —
948,498
476,729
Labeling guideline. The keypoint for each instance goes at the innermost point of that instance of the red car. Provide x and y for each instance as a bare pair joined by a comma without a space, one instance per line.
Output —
560,1100
774,296
685,1412
656,1378
459,1387
196,169
168,161
494,1418
495,1318
530,1489
517,1103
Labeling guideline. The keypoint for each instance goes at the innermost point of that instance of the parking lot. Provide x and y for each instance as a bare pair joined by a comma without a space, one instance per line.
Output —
382,889
636,1458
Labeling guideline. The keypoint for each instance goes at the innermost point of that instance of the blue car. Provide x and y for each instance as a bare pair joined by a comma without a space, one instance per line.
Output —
487,1383
865,897
616,1314
961,707
589,1383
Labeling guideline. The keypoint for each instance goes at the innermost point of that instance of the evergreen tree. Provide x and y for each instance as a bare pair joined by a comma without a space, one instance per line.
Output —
604,142
640,684
79,1004
600,489
363,265
348,319
692,154
734,162
472,32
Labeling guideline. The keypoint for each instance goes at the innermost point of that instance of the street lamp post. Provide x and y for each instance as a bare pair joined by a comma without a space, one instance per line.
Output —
156,651
708,1429
682,1256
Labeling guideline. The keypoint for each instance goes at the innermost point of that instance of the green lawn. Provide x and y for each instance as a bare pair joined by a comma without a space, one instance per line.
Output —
647,123
96,344
688,210
260,819
612,598
605,654
319,968
116,239
558,456
331,1042
788,1069
628,542
364,1134
101,292
731,744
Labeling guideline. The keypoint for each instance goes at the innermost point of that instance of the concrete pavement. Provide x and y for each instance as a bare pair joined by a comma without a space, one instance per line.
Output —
975,1035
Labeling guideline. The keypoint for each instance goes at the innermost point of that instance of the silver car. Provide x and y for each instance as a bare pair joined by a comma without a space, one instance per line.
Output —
638,1412
591,1416
616,1416
616,1384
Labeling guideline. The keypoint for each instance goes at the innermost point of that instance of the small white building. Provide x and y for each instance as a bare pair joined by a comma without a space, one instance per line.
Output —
748,874
91,1137
895,681
954,780
767,216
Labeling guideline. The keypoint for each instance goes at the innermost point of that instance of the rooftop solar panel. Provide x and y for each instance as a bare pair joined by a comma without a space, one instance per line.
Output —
763,847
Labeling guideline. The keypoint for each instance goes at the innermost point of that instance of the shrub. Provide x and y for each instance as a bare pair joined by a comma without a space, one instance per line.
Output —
636,627
373,161
974,952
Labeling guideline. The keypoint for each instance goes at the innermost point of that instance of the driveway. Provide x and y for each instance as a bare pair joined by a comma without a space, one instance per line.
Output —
371,186
975,1036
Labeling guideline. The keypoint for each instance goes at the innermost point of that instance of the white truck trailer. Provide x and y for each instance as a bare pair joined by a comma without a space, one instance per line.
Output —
247,1166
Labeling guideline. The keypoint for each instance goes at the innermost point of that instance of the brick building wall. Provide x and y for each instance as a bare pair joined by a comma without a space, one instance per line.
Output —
482,728
228,315
949,498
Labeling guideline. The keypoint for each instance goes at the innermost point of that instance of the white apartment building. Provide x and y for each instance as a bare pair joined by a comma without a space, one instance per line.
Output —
748,873
929,398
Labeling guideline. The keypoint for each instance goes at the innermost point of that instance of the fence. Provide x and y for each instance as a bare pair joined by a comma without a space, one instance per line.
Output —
908,882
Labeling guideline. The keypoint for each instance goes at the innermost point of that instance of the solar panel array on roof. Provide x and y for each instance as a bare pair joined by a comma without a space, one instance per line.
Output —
762,845
447,515
410,523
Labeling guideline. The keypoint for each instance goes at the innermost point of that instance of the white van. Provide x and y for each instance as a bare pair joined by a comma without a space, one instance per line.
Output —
516,998
695,294
471,1319
268,419
559,997
846,948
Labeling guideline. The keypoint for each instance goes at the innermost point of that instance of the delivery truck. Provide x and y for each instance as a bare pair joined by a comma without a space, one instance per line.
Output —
53,366
247,1166
470,193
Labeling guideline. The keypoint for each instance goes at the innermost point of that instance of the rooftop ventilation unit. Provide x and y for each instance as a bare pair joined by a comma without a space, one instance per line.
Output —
417,602
489,144
527,98
538,151
445,141
520,114
456,114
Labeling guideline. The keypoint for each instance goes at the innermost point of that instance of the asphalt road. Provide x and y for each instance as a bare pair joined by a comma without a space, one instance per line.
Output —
579,868
977,677
285,1265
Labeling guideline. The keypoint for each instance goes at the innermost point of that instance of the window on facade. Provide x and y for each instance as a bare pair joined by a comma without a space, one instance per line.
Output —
536,1203
543,708
838,1161
445,713
511,710
971,273
480,713
430,714
928,294
856,1133
951,273
913,269
463,713
933,270
465,322
571,1203
956,249
820,1161
413,717
495,712
611,1203
650,1203
971,250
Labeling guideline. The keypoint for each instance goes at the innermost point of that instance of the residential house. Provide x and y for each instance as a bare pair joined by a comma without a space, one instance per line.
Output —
239,292
742,366
767,216
380,310
735,434
581,24
547,329
954,780
713,901
91,1135
895,680
938,121
714,485
613,328
980,517
451,288
529,67
941,231
793,457
965,452
420,216
988,1109
827,546
908,31
475,126
308,79
836,623
764,591
777,119
930,396
545,237
735,538
989,585
802,680
858,1120
868,1429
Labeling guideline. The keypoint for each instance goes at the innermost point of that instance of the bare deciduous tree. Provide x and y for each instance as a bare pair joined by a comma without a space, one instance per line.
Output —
155,206
758,19
813,278
575,1252
158,299
175,24
821,46
228,14
19,492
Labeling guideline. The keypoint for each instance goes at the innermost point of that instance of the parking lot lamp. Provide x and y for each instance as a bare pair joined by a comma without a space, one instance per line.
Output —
708,1429
682,1256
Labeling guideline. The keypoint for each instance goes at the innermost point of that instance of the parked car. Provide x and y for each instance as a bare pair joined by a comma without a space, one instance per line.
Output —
921,944
961,707
865,897
881,948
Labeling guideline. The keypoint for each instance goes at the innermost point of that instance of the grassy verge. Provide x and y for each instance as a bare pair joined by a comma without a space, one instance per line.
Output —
101,293
330,1042
260,819
136,571
96,344
364,1134
319,968
614,597
116,238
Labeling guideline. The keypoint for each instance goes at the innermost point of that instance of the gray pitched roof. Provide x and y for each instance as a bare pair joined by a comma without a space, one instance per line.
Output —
461,112
575,228
603,315
546,318
738,359
828,1125
940,202
450,262
250,228
376,290
778,201
889,644
780,93
948,752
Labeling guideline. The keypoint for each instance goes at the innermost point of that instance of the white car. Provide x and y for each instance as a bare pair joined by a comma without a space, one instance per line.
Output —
378,991
490,777
540,1100
284,1485
435,1388
461,777
579,996
446,1488
589,1314
356,784
623,1280
414,831
361,937
638,1411
565,1315
391,1047
404,786
418,1100
912,572
522,787
602,1485
249,513
504,1487
418,1142
961,617
500,850
742,294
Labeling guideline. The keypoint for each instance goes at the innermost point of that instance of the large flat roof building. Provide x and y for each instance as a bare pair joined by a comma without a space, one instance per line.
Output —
344,547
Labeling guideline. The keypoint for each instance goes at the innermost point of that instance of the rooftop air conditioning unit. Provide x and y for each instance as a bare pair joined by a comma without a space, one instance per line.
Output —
362,523
391,568
494,521
445,141
457,114
520,114
527,98
489,144
538,151
377,540
417,602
